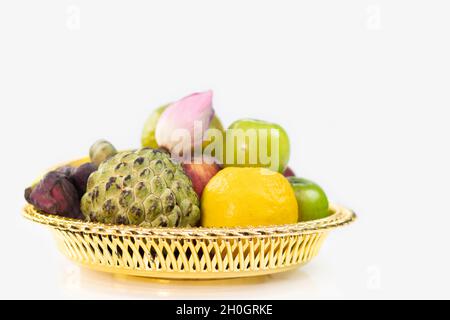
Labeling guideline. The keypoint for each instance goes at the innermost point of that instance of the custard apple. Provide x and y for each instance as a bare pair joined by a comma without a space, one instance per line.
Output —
143,187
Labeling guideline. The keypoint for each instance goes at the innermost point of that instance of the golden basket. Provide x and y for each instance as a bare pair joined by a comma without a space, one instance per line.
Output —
196,253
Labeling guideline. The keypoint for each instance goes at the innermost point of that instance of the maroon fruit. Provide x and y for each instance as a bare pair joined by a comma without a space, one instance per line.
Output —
80,176
289,173
66,170
55,194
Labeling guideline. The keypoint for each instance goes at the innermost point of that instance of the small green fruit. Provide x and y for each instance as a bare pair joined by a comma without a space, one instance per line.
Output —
312,200
250,148
100,151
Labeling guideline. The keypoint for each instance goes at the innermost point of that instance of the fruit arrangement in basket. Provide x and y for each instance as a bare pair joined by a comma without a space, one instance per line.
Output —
190,171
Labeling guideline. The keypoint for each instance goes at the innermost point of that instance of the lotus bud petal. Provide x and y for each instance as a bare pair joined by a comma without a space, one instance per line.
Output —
185,122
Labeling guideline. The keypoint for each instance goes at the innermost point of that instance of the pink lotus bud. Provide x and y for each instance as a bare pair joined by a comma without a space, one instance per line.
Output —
183,124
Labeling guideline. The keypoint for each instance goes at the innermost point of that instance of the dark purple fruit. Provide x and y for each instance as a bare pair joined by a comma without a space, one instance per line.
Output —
80,176
55,194
66,170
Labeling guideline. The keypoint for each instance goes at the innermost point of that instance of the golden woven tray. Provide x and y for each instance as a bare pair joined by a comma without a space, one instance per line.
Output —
195,253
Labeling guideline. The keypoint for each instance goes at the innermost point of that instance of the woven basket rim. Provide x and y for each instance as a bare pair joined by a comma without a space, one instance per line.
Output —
341,216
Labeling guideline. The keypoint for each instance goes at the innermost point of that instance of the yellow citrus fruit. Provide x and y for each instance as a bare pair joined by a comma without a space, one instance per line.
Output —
240,197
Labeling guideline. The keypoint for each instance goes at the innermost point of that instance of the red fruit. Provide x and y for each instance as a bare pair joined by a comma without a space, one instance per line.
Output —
200,174
289,173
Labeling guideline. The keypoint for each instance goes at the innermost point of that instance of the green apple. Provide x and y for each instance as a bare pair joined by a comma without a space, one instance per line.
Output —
251,143
312,200
148,133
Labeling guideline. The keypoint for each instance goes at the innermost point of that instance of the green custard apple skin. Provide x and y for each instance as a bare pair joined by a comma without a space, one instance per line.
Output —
246,125
312,200
143,187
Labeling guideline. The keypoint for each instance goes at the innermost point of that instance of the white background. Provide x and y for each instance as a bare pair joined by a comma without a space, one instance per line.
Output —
361,86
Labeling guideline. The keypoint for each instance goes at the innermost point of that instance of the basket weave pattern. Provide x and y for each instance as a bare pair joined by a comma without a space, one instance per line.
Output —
196,253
